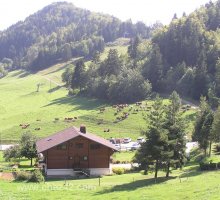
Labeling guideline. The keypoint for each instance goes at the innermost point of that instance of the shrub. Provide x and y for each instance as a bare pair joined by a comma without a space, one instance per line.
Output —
22,176
118,170
37,176
217,148
209,166
12,153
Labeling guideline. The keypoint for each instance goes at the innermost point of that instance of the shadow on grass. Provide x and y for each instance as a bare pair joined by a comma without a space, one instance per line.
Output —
24,74
79,103
59,69
135,185
67,178
21,74
189,173
54,89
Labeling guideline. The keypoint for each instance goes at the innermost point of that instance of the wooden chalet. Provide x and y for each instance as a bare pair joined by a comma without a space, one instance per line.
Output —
74,150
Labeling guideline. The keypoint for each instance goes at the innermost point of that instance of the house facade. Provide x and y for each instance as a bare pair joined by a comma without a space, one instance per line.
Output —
73,150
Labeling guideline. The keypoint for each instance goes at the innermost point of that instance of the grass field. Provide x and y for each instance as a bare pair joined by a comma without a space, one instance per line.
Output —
192,185
188,183
22,104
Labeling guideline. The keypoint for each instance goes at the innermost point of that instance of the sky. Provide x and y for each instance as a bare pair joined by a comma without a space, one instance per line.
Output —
148,11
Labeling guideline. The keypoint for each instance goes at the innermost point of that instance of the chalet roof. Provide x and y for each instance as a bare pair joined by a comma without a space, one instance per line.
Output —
66,135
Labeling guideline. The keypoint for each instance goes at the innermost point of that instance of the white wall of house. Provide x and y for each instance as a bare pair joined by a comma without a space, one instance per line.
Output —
70,172
60,172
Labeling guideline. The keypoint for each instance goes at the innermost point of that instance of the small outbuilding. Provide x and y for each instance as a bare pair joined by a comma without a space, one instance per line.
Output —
74,150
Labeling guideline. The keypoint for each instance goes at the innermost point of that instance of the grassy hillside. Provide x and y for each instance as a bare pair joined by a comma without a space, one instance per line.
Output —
192,185
22,104
188,183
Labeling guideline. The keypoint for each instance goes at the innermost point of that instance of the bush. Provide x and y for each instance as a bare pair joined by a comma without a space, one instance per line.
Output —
209,166
13,152
217,148
37,176
118,170
23,176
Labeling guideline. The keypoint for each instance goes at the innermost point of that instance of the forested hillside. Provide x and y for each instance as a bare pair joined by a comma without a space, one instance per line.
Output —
189,49
59,32
183,56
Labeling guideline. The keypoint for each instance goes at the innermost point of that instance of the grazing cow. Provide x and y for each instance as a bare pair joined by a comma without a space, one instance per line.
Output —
24,126
68,118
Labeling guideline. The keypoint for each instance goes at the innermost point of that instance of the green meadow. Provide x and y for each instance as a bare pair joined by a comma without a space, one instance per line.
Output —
20,103
193,185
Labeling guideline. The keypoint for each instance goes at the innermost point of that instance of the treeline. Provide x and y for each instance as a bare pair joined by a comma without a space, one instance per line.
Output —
61,31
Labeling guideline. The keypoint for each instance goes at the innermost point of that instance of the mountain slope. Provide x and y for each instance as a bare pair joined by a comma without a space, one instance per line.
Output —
61,31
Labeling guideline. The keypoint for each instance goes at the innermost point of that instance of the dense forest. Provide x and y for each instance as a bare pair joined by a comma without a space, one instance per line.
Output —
183,56
189,49
61,31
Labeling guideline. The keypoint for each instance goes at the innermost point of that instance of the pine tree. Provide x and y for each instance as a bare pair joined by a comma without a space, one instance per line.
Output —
154,149
153,69
217,77
112,64
203,125
79,76
216,126
133,47
175,127
200,81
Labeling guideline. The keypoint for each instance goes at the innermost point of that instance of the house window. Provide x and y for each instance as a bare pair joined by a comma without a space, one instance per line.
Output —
95,146
79,145
70,144
85,158
61,147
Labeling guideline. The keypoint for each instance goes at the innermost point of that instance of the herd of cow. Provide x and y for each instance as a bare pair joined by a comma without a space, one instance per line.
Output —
66,119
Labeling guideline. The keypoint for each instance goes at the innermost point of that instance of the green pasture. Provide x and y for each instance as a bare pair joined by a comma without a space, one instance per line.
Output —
20,103
192,185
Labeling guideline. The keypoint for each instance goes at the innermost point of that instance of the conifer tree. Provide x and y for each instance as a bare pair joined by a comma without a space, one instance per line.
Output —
216,126
175,127
155,148
79,75
133,47
203,125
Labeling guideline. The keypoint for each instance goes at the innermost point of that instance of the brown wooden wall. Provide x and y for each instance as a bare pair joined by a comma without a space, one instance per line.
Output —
78,154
